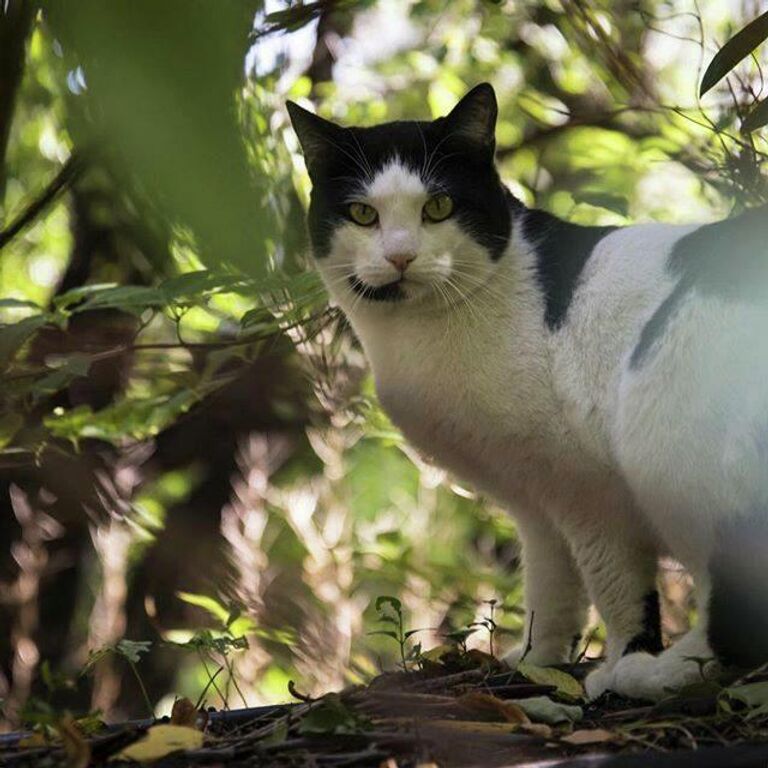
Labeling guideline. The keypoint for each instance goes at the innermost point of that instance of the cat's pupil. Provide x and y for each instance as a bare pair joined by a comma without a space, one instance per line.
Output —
363,214
438,208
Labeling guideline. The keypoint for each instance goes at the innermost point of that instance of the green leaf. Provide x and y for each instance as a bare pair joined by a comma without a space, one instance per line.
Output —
752,696
10,424
614,203
132,298
734,51
132,649
397,606
76,295
567,686
332,716
193,285
209,604
757,118
18,303
74,367
12,337
386,633
541,709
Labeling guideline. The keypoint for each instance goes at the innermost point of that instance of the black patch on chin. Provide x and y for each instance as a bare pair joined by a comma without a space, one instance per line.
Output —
738,602
388,292
726,259
648,639
562,249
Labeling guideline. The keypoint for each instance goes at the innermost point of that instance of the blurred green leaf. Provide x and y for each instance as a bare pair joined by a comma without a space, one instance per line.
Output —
13,336
734,51
757,118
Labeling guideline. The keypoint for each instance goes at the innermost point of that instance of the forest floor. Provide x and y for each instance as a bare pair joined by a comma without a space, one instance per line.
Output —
458,711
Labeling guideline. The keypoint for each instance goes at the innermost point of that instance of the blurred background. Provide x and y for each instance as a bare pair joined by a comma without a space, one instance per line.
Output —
192,458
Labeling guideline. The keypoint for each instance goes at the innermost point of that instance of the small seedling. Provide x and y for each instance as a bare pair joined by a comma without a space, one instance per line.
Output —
399,633
228,636
131,651
460,637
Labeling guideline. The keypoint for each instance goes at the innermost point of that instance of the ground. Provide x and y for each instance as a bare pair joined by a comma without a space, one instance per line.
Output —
458,711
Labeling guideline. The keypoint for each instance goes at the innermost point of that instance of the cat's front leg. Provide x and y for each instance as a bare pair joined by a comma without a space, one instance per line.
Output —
555,599
617,556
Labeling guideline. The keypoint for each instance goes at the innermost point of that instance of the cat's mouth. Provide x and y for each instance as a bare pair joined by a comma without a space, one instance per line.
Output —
388,292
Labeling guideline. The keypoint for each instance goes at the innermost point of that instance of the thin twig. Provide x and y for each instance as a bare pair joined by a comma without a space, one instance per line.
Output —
66,175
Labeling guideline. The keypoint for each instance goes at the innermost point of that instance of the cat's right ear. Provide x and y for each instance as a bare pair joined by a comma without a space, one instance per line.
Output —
316,135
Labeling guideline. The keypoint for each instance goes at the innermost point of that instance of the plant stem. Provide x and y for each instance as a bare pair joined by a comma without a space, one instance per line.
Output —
401,640
144,693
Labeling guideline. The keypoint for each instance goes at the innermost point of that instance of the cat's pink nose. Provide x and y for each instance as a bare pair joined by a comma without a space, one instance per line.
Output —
400,261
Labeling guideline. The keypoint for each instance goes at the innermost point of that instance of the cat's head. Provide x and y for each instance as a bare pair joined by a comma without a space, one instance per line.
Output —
406,212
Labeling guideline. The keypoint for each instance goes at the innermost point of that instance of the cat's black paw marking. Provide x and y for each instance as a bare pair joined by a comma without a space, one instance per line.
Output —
648,639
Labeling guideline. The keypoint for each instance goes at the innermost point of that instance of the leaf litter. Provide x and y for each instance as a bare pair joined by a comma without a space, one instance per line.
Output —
451,708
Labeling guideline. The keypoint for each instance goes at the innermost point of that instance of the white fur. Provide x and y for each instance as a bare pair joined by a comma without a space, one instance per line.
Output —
602,465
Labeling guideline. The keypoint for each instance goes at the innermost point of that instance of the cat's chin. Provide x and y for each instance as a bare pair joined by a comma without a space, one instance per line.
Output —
403,290
388,292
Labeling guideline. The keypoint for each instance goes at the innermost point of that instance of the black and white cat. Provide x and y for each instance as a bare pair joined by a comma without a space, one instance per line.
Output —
607,385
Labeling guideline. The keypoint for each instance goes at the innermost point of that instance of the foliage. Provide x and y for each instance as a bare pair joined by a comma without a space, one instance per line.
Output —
390,611
183,416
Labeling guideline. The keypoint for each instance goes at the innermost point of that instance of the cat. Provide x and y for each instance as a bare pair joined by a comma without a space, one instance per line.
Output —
605,384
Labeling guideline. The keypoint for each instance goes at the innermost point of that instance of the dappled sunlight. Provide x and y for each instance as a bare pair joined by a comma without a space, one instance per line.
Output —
192,452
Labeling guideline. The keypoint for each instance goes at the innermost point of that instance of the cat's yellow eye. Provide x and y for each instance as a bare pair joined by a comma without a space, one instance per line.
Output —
362,214
438,208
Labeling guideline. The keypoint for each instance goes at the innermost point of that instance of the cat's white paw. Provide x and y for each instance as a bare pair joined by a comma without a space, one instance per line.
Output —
512,658
598,681
652,678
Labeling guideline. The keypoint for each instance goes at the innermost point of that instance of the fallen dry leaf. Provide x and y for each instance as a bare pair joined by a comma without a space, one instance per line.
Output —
590,736
486,705
542,730
466,726
159,741
184,712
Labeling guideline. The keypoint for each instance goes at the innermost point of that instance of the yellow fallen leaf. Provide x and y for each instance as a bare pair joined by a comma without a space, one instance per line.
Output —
159,741
437,653
33,741
567,686
590,736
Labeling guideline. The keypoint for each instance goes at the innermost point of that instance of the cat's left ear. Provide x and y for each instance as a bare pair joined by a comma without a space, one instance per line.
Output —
474,117
316,135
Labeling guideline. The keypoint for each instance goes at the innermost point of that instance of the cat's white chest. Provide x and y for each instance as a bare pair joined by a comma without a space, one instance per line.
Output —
462,400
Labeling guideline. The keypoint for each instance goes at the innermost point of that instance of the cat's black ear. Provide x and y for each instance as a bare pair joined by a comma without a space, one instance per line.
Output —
474,117
316,135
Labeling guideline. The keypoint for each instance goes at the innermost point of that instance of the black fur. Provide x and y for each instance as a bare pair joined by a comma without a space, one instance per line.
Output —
655,327
728,259
452,154
388,292
738,604
648,639
562,250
